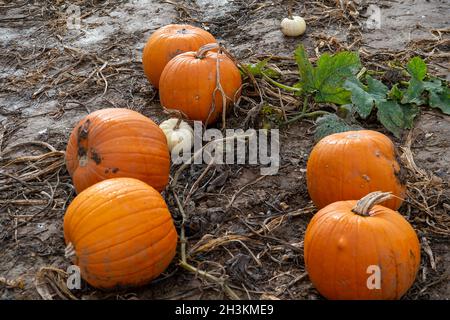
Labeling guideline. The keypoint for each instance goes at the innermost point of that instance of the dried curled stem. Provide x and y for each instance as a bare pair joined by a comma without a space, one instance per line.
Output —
201,53
12,283
184,259
210,277
366,204
51,284
290,6
177,125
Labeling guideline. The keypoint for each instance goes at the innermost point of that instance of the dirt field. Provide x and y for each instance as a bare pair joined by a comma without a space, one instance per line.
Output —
51,77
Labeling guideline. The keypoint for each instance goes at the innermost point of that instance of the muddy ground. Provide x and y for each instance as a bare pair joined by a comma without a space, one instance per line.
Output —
52,76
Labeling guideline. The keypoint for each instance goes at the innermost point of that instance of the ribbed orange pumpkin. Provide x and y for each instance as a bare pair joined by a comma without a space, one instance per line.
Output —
167,42
188,82
120,233
349,165
112,143
348,244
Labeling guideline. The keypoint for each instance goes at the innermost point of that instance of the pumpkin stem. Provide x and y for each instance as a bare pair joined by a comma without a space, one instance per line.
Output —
69,252
177,125
290,10
201,53
364,205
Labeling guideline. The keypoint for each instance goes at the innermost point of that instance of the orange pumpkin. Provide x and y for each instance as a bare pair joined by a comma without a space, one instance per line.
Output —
167,42
189,80
360,250
112,143
120,233
349,165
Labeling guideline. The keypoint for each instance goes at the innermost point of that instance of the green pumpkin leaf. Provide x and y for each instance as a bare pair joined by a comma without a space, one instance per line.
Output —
434,84
346,111
362,100
331,73
305,70
395,93
376,88
395,116
331,123
390,114
441,100
409,113
326,80
414,92
417,68
333,95
257,69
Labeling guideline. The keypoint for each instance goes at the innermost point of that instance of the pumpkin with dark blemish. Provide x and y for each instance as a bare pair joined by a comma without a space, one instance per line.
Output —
112,143
349,165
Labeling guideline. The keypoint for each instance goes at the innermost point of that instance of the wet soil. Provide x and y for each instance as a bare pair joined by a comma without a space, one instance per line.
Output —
52,76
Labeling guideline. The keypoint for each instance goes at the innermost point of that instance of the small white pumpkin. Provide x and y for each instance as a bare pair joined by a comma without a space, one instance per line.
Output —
181,137
293,26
